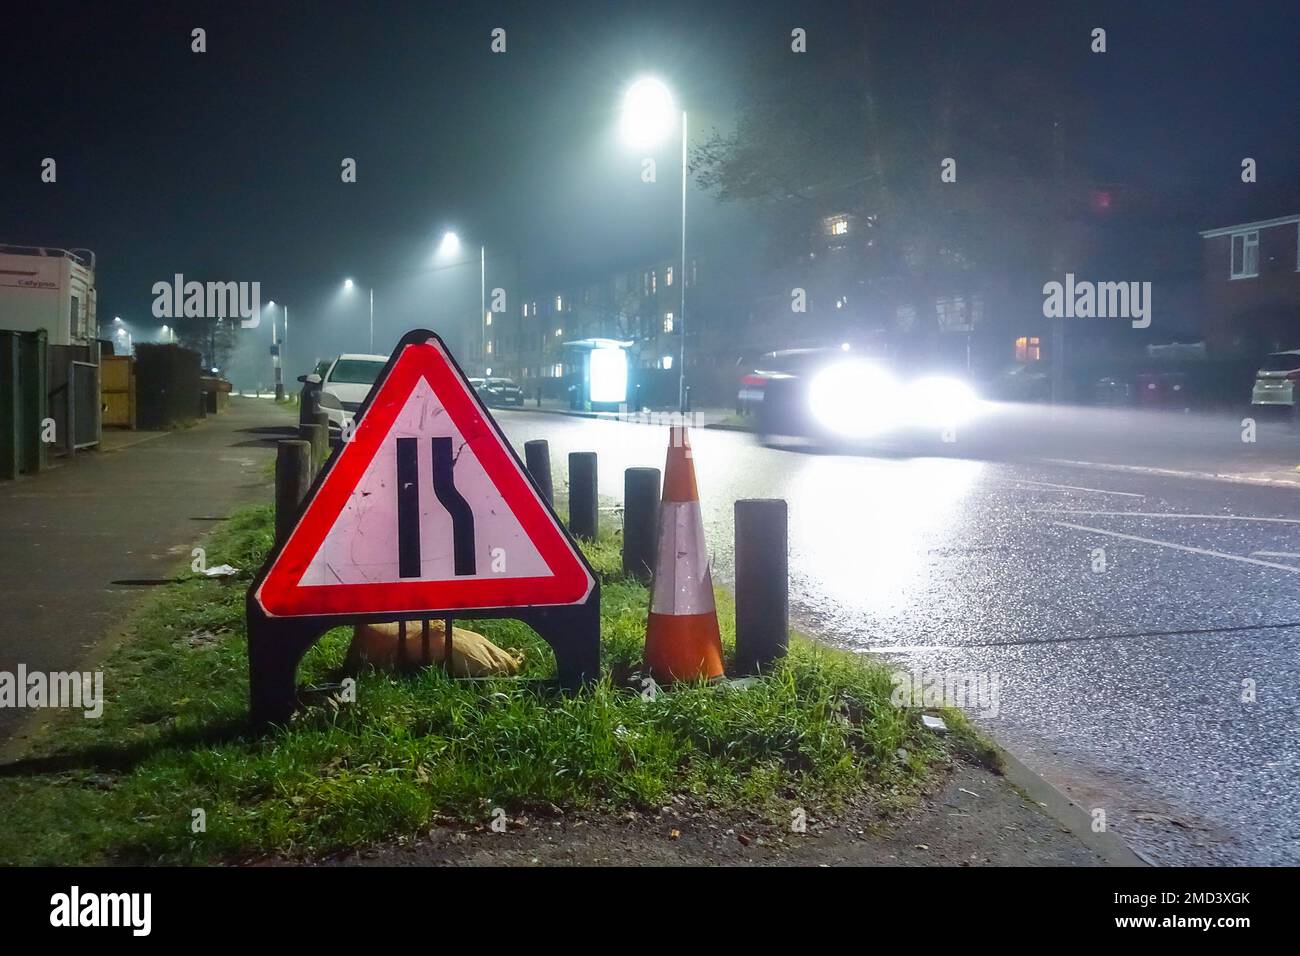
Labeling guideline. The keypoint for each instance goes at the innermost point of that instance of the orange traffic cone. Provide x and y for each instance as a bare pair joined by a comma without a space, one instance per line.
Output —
681,638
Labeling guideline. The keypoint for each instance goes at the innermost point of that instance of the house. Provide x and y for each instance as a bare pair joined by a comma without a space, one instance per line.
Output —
1252,286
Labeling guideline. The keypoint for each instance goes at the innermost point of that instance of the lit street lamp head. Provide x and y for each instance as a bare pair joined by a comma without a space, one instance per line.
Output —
347,283
450,244
648,112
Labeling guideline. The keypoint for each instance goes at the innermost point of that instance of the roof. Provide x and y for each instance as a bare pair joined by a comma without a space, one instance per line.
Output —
1242,227
363,357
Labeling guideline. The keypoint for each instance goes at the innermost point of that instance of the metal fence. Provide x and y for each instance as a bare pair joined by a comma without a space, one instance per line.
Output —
24,402
83,405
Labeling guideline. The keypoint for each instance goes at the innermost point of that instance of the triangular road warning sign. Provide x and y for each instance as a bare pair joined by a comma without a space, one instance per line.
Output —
425,510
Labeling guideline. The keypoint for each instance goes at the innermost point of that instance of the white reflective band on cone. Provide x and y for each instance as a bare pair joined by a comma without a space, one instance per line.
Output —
682,584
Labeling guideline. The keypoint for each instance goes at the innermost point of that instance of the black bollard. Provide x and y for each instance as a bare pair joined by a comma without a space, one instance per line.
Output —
292,479
313,435
584,517
640,521
762,583
323,420
537,456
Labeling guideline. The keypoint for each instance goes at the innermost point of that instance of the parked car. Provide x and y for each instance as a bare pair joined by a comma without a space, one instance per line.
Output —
1275,382
309,394
345,385
1027,382
480,388
502,392
1162,389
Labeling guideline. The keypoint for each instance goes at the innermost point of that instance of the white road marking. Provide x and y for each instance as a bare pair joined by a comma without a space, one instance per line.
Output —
1162,514
1199,475
1095,491
1179,547
1275,554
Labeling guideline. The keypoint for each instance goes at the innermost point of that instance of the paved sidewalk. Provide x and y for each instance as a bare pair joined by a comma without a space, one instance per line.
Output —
83,541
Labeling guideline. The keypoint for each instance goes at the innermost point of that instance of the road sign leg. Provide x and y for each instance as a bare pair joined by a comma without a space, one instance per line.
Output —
274,650
574,634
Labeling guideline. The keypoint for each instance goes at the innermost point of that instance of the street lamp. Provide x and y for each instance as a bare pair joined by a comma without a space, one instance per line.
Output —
347,285
648,115
449,246
282,351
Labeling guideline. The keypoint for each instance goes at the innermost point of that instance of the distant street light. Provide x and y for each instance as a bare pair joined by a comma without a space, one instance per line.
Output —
347,284
648,114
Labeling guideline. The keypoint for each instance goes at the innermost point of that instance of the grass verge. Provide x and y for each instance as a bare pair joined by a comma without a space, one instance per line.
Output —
415,751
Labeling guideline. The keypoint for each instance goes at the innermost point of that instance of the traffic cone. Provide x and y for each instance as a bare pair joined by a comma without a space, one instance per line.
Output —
681,638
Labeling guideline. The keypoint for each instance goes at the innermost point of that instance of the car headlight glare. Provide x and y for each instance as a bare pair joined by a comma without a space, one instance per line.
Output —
853,398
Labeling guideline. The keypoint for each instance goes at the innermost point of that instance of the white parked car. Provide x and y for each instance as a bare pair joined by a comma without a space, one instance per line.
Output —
1275,382
346,383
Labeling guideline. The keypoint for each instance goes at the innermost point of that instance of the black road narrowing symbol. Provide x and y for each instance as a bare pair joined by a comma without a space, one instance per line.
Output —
408,507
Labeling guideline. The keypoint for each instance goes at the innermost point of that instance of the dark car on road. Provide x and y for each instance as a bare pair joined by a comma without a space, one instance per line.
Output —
836,394
501,392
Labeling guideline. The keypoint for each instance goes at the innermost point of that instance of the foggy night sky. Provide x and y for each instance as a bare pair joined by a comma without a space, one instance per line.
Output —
225,165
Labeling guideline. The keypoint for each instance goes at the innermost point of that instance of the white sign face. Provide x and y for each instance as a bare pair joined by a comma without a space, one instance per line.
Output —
397,528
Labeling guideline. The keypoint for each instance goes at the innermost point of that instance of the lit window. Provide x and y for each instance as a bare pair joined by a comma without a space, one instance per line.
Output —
534,307
559,332
559,304
1245,255
668,321
557,370
837,225
666,361
487,318
525,310
1027,349
489,347
653,279
668,276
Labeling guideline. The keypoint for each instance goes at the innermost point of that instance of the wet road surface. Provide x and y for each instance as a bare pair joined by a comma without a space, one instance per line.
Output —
1141,631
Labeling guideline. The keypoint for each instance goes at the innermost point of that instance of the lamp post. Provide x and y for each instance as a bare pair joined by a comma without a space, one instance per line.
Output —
348,284
277,370
449,246
648,115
